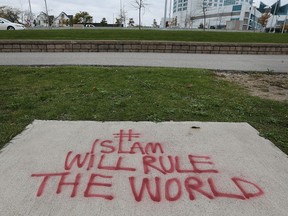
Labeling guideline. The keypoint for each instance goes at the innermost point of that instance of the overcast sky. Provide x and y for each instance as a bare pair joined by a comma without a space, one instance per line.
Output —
97,8
110,9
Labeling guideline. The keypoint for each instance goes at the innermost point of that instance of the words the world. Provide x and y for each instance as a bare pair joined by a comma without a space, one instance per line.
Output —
94,170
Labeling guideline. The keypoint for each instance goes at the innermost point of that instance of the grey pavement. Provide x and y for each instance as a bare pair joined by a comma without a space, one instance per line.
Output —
259,63
63,168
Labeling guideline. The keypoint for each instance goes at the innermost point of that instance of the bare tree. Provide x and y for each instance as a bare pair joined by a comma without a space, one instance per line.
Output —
201,8
28,18
174,22
122,16
192,18
193,14
139,5
12,14
204,10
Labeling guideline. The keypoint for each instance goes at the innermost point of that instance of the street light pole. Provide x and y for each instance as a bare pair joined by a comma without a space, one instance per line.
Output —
30,13
121,21
254,18
47,13
170,10
165,14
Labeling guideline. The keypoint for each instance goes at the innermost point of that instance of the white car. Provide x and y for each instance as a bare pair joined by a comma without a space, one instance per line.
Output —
7,25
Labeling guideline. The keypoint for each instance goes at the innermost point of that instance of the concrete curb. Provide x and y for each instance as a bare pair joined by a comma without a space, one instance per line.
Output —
143,46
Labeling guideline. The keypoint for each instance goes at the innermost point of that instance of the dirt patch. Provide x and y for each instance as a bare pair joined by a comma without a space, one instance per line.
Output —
268,86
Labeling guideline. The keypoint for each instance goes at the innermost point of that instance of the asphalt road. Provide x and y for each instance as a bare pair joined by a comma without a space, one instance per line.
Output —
262,63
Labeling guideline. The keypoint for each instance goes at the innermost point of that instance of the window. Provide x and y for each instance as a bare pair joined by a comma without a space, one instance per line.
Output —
237,8
229,2
180,5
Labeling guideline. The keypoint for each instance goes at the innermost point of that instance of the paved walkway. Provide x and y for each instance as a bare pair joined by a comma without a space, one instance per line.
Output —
275,63
88,168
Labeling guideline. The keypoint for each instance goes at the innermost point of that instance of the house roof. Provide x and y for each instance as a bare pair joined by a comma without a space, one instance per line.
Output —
63,13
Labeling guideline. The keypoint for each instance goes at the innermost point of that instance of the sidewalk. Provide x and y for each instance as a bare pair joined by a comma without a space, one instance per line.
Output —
259,63
142,168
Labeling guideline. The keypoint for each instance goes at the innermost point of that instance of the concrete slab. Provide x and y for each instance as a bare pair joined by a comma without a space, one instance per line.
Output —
256,63
142,168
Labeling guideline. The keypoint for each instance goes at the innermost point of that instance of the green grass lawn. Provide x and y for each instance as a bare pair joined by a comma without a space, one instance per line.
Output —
133,34
131,94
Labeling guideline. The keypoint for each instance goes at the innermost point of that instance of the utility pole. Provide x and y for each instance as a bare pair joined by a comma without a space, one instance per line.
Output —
121,21
165,14
47,13
284,24
170,10
122,15
254,18
30,14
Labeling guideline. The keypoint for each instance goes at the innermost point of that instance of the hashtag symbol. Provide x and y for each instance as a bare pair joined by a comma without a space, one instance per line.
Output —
122,135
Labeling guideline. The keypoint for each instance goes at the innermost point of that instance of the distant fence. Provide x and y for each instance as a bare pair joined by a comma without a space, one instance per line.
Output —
143,46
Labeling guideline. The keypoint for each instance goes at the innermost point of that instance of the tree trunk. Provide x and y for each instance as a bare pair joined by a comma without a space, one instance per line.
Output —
140,18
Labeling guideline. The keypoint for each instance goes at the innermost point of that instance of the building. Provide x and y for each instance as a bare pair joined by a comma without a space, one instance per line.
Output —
221,14
279,15
226,14
63,20
41,20
60,21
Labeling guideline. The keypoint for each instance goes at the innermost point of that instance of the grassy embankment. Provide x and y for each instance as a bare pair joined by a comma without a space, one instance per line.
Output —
132,34
131,94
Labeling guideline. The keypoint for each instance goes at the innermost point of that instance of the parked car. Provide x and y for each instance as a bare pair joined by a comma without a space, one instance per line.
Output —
89,26
7,25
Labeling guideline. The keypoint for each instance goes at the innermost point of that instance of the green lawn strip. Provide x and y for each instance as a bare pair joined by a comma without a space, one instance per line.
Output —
131,94
151,35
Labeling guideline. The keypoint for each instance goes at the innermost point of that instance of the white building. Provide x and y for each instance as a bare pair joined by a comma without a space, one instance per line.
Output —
228,14
62,20
41,20
279,16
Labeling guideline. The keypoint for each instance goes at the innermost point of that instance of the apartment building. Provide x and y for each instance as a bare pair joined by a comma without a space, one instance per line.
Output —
220,14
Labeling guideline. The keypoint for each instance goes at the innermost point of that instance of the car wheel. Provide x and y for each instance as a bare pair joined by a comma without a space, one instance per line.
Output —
10,28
